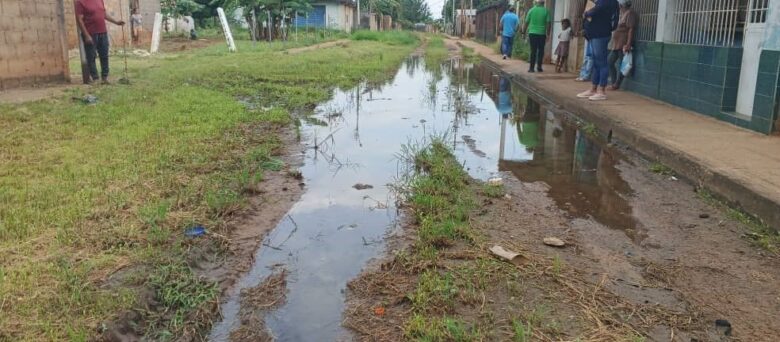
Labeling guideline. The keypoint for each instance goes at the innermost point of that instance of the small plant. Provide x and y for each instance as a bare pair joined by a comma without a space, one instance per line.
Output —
661,169
494,191
761,235
590,129
434,292
557,265
522,331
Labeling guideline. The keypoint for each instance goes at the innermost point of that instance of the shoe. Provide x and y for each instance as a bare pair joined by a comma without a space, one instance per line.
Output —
504,56
531,70
598,97
539,69
105,81
586,94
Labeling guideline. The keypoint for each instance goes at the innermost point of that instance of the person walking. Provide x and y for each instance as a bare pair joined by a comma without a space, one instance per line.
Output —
537,24
92,17
622,42
599,23
509,24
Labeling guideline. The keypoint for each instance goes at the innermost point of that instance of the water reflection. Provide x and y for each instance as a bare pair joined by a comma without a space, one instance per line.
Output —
541,145
333,230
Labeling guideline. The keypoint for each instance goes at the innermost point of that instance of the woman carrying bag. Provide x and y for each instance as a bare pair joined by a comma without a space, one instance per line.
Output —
622,42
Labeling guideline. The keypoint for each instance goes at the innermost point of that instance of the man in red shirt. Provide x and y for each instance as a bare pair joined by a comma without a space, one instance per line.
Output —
92,17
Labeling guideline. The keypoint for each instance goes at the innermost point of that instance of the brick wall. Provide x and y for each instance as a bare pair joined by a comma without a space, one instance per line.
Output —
147,8
32,42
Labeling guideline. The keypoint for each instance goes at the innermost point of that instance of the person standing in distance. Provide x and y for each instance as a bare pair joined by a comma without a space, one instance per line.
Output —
92,17
509,24
537,24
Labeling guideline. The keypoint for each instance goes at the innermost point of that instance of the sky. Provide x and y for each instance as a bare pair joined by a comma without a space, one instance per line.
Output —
435,6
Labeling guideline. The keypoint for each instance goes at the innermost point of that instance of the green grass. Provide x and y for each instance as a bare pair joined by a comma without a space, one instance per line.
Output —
760,234
421,328
661,169
522,331
388,37
494,191
86,190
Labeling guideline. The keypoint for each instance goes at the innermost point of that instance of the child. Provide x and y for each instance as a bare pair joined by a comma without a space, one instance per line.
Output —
563,46
135,24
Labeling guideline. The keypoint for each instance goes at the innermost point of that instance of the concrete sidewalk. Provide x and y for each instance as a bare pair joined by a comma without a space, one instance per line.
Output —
741,166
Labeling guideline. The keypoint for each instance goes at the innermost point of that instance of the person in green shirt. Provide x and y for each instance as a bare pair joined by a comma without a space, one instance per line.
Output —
537,24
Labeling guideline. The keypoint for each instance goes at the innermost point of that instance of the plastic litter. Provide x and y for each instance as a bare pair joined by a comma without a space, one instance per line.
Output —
495,181
195,231
511,256
626,64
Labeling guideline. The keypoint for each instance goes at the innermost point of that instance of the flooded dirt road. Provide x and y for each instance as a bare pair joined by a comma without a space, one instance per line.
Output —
640,230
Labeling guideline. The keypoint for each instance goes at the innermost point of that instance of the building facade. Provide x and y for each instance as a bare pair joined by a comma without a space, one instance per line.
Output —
337,15
717,58
720,58
33,43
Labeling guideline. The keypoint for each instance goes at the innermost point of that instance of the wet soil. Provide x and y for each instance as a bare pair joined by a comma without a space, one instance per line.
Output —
638,245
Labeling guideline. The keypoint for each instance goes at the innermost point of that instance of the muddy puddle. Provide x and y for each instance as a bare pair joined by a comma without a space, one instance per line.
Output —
350,159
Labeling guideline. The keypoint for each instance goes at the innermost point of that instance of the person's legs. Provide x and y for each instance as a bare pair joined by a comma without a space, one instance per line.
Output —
600,75
615,58
504,41
510,43
540,50
91,53
534,48
587,63
101,44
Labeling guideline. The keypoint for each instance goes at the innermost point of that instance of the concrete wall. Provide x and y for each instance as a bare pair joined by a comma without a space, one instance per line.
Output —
339,17
33,45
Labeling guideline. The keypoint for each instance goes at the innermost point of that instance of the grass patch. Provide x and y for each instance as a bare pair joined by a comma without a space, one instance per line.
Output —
420,328
494,191
86,190
470,55
661,169
760,234
393,37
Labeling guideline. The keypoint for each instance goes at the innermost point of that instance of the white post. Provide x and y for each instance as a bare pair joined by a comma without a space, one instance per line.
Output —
226,29
156,31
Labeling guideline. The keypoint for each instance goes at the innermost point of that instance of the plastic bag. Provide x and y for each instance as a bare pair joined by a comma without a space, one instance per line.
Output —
626,64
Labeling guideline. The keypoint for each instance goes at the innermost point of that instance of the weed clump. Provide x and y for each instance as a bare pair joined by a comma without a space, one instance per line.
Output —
387,37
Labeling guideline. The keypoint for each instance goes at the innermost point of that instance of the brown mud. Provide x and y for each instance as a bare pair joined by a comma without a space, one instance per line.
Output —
256,302
223,259
645,256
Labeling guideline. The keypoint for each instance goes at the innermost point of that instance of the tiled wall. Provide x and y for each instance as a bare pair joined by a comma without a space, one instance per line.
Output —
646,75
767,92
705,79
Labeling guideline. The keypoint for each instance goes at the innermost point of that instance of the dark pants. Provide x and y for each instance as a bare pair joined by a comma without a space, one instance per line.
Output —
99,47
615,59
507,45
537,42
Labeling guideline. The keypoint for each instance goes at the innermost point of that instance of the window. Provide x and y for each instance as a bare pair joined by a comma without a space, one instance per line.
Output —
758,9
710,22
647,10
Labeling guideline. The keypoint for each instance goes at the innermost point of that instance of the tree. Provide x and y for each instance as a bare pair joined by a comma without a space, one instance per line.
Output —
179,8
414,11
278,9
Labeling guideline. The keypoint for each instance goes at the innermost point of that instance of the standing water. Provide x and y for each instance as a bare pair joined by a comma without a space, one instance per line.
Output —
331,233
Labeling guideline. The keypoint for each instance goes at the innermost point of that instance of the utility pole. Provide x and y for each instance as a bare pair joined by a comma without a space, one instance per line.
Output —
462,17
453,17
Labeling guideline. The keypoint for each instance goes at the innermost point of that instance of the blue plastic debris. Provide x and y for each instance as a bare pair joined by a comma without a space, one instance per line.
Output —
195,231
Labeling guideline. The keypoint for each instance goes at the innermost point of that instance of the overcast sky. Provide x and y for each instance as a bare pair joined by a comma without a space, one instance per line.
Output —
435,6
